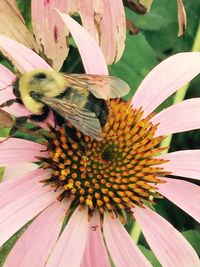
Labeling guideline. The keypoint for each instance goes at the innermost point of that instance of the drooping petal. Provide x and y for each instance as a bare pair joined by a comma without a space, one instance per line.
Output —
181,117
15,171
184,194
184,163
37,242
120,245
169,246
95,252
165,79
106,22
23,58
13,26
92,56
50,30
24,208
15,150
70,247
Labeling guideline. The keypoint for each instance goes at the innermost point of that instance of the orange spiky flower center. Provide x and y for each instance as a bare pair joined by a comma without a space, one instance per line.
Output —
109,175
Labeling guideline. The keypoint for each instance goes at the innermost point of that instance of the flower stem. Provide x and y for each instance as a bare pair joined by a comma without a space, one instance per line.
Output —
1,173
135,232
180,94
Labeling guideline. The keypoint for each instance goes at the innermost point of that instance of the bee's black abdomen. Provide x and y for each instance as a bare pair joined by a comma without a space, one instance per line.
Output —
99,107
59,120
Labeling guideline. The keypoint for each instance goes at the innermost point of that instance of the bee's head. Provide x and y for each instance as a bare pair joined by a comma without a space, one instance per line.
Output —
40,80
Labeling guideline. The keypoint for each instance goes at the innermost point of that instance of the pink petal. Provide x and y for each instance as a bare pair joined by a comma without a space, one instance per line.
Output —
15,150
95,252
23,58
106,22
183,163
24,208
169,246
14,171
92,56
120,245
11,190
70,247
184,194
165,79
50,30
6,80
15,109
181,117
37,242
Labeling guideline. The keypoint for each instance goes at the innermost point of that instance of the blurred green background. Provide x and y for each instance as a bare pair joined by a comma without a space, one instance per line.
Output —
156,40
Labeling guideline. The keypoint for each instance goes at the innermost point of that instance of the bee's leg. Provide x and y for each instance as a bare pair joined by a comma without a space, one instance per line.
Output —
40,117
12,132
59,120
18,123
8,103
35,128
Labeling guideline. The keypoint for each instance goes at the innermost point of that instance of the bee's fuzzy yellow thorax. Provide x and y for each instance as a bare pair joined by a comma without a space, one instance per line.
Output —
47,82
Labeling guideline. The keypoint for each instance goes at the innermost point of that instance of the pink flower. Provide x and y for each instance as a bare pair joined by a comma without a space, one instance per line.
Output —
23,196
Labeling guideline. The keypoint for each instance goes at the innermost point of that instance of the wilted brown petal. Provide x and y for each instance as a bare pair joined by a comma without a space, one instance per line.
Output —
50,30
6,120
182,19
131,27
12,24
105,20
139,6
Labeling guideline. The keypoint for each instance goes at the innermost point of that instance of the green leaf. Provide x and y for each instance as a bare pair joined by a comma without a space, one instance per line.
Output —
137,60
193,236
150,256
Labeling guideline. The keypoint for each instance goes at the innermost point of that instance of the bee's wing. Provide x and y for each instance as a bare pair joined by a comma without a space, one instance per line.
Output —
81,118
101,86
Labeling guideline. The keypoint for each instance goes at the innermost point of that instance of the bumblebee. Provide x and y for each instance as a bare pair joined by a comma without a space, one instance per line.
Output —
77,98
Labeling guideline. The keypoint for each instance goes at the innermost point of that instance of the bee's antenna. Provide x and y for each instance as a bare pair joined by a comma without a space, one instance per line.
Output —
5,87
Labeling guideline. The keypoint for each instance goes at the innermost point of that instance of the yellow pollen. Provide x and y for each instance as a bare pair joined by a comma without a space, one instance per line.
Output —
65,172
69,186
